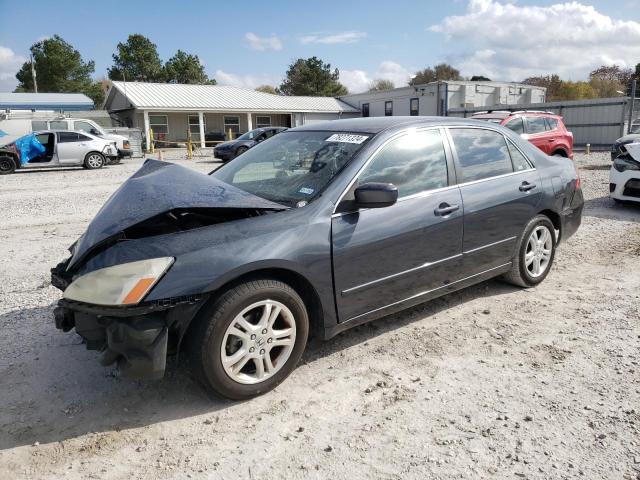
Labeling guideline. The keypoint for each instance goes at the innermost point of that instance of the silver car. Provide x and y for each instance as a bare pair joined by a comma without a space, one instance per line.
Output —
63,148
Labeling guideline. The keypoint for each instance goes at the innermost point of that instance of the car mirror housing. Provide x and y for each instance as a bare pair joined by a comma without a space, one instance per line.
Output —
376,195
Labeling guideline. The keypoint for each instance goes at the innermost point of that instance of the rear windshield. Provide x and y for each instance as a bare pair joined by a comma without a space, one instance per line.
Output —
292,168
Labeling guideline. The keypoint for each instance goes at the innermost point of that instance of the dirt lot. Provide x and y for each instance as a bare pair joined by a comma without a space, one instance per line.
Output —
490,382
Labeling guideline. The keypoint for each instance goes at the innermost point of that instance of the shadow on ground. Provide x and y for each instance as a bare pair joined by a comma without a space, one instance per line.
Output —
52,389
607,208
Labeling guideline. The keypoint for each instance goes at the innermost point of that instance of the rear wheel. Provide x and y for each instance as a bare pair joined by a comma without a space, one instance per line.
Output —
7,165
535,253
94,160
250,339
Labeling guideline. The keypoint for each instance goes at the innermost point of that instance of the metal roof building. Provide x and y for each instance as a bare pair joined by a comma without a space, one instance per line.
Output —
173,111
45,101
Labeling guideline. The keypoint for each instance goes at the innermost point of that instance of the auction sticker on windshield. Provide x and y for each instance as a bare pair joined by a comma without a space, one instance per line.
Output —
346,138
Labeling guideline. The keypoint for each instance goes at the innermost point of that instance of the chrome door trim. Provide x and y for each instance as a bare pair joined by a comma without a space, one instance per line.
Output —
395,275
418,295
473,250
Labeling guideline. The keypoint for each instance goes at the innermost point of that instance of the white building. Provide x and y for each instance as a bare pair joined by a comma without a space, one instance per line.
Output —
174,110
437,98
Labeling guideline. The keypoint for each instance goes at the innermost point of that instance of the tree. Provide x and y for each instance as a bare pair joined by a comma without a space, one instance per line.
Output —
551,82
312,77
137,60
267,89
186,68
480,78
576,91
380,84
441,72
59,68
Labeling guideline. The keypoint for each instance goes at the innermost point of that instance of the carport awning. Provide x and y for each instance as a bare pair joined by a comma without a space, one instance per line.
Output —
45,101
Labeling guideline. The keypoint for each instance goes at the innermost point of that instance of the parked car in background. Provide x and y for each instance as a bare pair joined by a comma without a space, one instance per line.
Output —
322,227
15,124
624,176
545,130
63,148
229,150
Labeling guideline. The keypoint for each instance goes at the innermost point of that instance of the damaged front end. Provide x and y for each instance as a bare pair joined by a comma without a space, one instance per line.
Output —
106,295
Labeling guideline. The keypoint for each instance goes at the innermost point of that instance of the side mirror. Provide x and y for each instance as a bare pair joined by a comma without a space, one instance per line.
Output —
376,195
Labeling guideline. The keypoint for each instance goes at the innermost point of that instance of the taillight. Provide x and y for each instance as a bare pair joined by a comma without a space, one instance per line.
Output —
578,186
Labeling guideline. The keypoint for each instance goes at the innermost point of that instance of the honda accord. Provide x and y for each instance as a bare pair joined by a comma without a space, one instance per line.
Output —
321,228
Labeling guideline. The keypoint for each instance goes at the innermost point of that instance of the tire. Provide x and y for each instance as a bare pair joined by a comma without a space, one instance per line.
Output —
240,151
227,343
94,161
523,270
7,165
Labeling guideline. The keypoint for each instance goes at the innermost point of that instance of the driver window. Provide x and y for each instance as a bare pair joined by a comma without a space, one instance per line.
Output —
84,126
414,163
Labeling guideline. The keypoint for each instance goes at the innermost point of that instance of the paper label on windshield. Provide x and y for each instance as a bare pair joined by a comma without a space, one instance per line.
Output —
306,190
346,138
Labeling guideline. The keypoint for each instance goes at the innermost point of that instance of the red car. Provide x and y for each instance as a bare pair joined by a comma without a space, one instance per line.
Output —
545,130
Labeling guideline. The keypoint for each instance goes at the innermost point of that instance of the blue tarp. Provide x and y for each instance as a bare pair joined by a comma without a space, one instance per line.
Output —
29,147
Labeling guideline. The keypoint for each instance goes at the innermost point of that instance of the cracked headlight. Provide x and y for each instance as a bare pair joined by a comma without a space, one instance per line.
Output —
125,284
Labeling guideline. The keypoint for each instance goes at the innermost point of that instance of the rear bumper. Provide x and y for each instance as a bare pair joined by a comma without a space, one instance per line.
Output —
137,338
122,153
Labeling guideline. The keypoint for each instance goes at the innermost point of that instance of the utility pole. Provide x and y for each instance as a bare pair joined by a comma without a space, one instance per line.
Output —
33,75
632,103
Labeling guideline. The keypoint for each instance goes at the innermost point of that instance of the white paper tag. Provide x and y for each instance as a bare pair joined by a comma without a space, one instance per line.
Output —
346,138
306,190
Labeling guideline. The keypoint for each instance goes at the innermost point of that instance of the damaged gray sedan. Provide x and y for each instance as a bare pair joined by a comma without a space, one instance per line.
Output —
321,228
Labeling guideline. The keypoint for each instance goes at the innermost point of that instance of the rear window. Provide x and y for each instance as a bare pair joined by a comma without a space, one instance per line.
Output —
552,123
536,125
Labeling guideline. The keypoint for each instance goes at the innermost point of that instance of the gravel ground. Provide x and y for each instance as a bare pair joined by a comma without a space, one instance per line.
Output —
489,382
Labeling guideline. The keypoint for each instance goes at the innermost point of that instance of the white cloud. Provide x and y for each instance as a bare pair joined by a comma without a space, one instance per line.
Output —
262,43
10,63
512,42
333,38
359,80
246,81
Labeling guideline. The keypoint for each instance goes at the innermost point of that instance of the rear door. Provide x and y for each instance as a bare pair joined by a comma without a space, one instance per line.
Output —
538,130
71,148
384,256
500,192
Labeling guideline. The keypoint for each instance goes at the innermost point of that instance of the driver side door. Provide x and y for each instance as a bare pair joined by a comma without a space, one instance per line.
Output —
386,257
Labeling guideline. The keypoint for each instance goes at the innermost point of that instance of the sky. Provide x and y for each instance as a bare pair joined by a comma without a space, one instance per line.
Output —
250,43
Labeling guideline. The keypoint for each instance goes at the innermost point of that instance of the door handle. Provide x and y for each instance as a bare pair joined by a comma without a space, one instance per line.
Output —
526,186
445,209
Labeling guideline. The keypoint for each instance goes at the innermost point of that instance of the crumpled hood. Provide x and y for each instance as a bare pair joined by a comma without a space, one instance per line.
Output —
159,187
628,138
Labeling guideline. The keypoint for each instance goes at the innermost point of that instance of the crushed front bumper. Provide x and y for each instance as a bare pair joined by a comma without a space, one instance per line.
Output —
137,338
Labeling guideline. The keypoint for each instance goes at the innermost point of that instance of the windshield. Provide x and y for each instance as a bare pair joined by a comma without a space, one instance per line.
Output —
250,135
292,168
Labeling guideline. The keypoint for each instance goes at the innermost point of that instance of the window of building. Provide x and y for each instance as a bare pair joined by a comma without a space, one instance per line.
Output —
365,109
414,105
159,124
388,108
233,124
517,125
263,121
536,125
520,162
481,153
414,163
194,126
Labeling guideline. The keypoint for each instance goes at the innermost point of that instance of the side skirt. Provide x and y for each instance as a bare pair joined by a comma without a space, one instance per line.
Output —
415,300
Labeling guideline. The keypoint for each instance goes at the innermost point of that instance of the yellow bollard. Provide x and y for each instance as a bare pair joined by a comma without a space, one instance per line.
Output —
159,154
150,147
229,135
587,149
189,146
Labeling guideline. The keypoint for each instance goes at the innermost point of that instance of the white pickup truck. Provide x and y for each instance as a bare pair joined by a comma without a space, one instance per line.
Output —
13,126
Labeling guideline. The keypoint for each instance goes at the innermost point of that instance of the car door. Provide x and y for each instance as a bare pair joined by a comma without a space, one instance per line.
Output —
500,192
538,133
71,148
383,256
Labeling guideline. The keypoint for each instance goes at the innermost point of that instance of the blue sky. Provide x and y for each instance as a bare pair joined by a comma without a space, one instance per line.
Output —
250,43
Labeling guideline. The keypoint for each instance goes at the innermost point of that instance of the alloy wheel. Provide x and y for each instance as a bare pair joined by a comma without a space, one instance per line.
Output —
94,160
537,256
258,342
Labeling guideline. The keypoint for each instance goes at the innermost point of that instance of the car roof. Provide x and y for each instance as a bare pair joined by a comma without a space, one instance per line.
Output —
504,114
378,124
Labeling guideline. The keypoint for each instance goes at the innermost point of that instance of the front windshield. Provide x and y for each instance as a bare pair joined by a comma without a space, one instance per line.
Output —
292,167
250,135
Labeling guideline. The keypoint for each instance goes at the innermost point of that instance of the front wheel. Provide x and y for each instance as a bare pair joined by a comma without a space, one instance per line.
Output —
534,254
7,165
241,150
93,161
250,339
